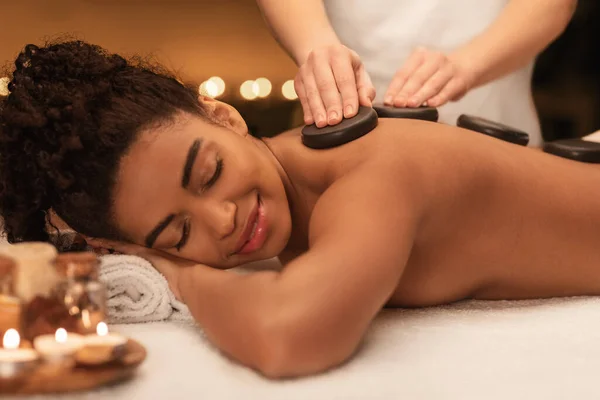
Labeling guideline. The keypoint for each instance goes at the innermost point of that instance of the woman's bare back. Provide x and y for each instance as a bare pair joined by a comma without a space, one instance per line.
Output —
500,221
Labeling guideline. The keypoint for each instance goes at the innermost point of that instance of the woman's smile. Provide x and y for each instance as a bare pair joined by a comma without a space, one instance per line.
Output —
255,231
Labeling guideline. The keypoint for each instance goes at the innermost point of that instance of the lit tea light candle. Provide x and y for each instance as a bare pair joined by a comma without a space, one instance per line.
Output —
103,347
58,347
104,338
15,361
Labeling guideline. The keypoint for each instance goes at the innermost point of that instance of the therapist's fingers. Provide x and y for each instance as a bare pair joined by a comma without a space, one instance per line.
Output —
414,61
462,81
454,90
301,92
431,87
366,90
313,96
327,85
433,63
343,67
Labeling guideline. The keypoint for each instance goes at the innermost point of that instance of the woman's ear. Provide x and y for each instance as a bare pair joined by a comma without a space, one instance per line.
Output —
223,114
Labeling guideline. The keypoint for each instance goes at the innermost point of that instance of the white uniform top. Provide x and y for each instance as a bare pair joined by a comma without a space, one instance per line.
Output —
385,32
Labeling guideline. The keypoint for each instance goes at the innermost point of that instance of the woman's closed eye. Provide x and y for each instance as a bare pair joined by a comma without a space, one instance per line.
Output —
216,174
185,231
185,234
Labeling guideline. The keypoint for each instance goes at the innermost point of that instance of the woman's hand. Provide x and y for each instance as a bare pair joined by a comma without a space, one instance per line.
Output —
170,266
331,83
428,77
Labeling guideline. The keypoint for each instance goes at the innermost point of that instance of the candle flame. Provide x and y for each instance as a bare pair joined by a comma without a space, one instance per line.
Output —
61,335
11,339
101,329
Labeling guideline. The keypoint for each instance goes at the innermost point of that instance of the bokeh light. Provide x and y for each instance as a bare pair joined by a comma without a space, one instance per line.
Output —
220,84
263,86
4,86
288,91
249,90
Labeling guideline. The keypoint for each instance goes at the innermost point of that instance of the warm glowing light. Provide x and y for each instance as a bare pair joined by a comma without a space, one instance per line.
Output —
11,339
209,89
4,86
219,82
85,318
61,335
249,90
288,91
213,87
263,86
102,329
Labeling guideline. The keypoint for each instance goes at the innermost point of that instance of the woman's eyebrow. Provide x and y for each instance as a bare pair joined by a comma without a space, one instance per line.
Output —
152,236
189,162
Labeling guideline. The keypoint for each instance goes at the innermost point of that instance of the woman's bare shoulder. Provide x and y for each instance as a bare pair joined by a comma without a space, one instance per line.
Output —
399,146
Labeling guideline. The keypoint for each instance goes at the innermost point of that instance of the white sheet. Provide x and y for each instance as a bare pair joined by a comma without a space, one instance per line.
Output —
471,350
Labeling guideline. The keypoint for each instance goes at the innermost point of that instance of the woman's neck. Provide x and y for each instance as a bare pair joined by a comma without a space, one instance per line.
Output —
300,193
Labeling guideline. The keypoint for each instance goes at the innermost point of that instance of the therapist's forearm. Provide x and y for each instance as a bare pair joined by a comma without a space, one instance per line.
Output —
519,34
298,25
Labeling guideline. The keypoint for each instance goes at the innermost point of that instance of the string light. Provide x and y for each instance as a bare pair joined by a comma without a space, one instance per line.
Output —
212,87
288,91
4,86
209,89
220,84
249,90
263,86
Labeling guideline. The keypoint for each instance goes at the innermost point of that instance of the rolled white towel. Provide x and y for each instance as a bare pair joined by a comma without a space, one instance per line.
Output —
138,293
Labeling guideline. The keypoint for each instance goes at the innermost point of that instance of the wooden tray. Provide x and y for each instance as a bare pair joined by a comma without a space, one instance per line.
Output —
45,380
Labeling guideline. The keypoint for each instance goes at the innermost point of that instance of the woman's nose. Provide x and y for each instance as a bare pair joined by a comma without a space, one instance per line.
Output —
220,218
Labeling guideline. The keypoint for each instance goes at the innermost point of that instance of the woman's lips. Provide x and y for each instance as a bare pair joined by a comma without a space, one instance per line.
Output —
256,230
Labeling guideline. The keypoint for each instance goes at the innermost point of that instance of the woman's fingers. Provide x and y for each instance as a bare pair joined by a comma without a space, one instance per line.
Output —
115,246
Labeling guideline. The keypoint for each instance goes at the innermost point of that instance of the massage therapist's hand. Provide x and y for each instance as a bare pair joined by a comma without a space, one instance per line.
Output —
429,77
170,266
331,83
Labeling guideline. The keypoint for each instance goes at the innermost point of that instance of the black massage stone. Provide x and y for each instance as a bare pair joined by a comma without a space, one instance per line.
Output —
494,129
423,113
346,131
575,149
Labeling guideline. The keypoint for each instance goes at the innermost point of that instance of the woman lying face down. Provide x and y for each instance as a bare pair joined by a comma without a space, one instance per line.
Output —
412,214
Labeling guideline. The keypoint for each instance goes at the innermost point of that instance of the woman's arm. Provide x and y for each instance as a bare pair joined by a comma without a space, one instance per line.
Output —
313,315
520,33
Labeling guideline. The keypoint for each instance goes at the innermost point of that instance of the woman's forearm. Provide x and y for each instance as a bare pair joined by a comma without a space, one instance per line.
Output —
298,25
233,311
297,322
519,34
266,321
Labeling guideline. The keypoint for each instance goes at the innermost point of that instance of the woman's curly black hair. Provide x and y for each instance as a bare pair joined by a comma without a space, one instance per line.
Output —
72,113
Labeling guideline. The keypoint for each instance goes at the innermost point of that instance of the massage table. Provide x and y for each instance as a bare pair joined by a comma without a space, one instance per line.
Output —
542,349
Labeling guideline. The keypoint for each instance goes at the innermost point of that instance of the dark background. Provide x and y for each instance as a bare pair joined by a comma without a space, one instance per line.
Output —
228,38
566,83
